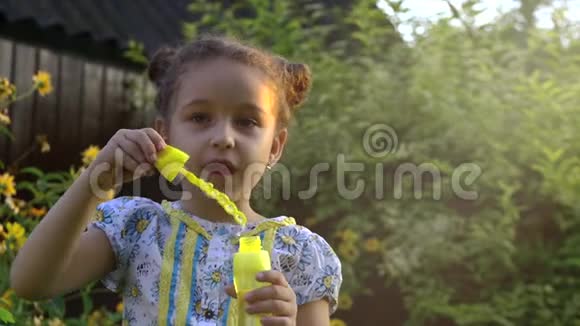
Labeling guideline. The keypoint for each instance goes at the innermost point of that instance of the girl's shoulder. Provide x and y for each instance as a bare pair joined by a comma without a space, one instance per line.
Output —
126,207
125,202
299,236
298,246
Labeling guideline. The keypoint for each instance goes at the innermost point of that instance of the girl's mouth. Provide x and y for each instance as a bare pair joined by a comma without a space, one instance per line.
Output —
223,168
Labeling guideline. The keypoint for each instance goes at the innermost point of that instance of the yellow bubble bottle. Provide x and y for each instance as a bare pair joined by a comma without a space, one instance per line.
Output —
248,262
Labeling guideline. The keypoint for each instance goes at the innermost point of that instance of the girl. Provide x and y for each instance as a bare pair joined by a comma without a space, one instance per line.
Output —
227,105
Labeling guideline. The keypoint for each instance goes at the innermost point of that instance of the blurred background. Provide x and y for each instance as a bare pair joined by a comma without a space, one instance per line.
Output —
449,129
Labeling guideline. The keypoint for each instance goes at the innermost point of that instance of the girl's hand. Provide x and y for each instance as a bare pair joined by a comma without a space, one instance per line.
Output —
128,155
277,299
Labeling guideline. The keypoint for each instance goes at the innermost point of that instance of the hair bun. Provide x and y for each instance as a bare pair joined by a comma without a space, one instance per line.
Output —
160,63
298,81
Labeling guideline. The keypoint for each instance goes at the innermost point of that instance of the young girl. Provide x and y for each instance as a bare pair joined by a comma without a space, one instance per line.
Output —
227,105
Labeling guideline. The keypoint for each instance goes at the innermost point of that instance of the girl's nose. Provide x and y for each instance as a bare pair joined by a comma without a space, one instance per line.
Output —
223,137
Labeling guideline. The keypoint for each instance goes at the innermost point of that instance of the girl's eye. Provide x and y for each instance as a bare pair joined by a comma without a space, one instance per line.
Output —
247,123
203,118
200,117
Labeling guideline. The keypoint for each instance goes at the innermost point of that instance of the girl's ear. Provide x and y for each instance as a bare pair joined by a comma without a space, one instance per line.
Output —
162,128
278,145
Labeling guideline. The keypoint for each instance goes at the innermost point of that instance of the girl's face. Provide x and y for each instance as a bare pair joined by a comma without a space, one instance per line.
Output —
224,117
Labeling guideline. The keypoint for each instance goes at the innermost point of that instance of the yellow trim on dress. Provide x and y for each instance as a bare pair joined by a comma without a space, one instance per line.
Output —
266,225
183,217
184,288
166,273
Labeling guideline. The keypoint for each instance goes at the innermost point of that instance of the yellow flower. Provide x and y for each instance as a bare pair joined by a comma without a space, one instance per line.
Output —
119,307
96,318
7,186
37,212
216,276
90,154
348,235
38,320
6,298
15,204
288,240
56,322
7,90
42,83
344,301
45,147
337,322
348,251
43,142
372,245
3,243
142,225
99,216
135,292
15,232
327,281
4,117
10,203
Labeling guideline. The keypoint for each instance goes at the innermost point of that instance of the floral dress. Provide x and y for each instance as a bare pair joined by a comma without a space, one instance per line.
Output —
172,266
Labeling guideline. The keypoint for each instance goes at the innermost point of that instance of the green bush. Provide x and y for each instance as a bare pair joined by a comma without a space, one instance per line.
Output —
493,106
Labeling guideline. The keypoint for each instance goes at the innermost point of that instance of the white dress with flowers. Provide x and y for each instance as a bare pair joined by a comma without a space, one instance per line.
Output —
172,267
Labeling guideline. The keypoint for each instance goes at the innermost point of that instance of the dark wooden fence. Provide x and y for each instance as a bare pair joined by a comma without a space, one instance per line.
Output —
90,101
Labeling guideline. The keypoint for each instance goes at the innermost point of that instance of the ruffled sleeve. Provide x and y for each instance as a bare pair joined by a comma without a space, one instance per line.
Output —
317,274
122,220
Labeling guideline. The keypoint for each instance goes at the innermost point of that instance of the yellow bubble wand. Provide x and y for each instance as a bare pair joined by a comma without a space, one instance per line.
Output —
171,162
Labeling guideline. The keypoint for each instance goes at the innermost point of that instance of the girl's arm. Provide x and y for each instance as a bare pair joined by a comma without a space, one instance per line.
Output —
313,314
58,257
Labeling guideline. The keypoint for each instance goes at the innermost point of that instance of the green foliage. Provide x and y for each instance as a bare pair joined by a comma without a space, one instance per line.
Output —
135,52
19,214
6,316
459,94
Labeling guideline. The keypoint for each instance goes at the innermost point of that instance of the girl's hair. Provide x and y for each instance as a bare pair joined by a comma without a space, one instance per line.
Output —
291,81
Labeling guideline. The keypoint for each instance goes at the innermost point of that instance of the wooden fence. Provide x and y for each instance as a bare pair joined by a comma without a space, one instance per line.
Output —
90,101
